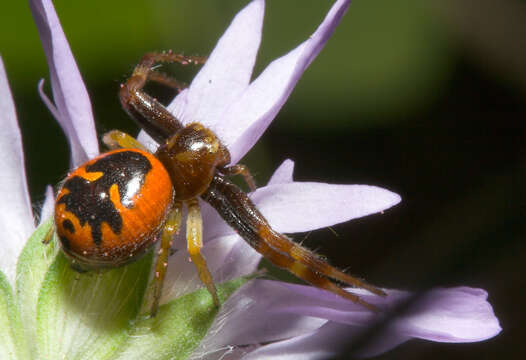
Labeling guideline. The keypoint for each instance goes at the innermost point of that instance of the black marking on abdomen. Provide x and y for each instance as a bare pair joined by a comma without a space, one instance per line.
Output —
68,225
90,201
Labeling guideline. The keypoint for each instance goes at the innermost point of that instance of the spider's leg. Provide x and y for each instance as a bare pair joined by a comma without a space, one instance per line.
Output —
170,228
117,139
194,238
166,80
150,114
240,169
240,213
305,257
308,274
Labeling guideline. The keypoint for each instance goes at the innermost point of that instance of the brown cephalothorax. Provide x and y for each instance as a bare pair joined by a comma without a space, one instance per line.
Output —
191,157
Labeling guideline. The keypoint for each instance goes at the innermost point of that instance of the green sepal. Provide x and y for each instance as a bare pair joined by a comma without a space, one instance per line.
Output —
179,326
32,265
88,316
13,344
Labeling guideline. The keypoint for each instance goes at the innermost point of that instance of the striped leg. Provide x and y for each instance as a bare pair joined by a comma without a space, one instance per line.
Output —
310,274
240,213
310,260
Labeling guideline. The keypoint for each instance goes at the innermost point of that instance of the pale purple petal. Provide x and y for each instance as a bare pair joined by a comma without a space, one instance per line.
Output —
304,206
311,301
459,314
16,215
241,260
227,258
297,207
215,226
147,141
182,274
46,100
316,345
444,315
283,174
226,73
324,343
69,93
248,317
48,206
245,121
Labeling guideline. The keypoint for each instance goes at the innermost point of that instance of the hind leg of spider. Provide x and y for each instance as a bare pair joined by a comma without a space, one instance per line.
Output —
303,271
239,211
240,169
116,139
151,115
171,227
279,242
194,230
310,260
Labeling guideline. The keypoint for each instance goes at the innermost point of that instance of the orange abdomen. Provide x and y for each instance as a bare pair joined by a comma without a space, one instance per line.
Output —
110,210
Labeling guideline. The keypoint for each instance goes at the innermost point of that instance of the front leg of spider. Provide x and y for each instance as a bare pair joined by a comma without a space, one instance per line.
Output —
116,139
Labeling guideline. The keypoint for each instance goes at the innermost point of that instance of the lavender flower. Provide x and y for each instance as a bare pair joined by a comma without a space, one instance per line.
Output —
59,314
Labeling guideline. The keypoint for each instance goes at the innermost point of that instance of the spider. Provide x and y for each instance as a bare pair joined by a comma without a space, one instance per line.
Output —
113,209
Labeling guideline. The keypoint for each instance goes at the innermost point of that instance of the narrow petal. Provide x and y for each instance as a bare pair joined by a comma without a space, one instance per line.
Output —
16,215
445,315
330,341
283,174
304,206
459,314
215,226
248,318
69,93
227,258
324,343
147,141
246,120
226,73
48,206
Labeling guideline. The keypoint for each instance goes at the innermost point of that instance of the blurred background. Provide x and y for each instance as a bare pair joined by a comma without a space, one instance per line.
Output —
425,98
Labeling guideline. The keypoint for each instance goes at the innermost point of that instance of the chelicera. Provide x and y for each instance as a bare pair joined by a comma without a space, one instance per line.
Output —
114,208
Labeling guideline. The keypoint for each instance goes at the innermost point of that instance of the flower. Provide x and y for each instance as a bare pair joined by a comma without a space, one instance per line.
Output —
56,313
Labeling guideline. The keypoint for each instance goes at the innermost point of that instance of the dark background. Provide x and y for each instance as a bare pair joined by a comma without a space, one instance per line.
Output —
426,99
